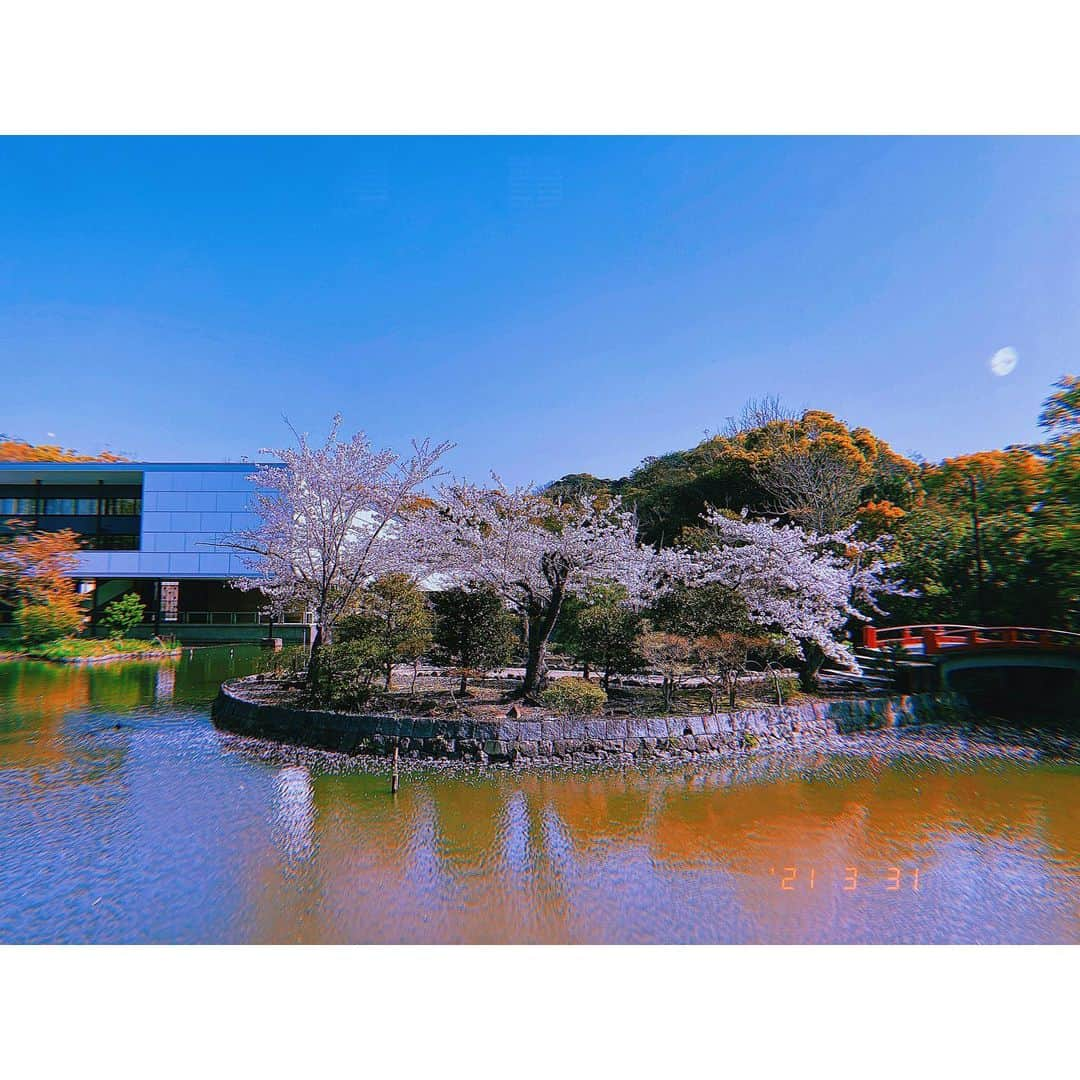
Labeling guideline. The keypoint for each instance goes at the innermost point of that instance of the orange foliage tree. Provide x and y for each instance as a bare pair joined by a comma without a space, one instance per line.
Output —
1007,479
20,450
810,468
35,579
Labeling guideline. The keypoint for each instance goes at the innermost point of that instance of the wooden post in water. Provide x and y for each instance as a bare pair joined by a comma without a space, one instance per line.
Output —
394,774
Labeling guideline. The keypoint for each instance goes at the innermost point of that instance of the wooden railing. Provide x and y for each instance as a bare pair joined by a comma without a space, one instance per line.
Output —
936,638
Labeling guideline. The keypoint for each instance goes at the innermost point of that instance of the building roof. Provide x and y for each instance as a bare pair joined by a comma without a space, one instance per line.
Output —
117,471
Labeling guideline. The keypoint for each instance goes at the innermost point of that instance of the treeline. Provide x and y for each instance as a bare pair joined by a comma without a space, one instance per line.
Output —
13,449
988,538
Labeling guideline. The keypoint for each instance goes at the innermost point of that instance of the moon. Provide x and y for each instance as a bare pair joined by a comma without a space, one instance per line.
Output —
1004,361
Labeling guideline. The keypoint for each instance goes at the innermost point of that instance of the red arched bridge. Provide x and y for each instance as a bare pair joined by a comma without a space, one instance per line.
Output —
952,647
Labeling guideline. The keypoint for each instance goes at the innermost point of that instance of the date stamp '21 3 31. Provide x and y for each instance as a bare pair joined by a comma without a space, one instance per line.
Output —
849,879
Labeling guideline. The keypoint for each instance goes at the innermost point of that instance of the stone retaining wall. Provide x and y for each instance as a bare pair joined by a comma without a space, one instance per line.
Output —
562,738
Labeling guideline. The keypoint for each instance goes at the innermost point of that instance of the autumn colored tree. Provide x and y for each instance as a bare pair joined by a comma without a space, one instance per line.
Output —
976,548
671,656
12,449
722,659
1005,480
879,518
35,580
810,468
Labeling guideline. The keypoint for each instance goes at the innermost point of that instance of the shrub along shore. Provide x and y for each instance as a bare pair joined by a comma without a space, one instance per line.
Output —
50,619
95,650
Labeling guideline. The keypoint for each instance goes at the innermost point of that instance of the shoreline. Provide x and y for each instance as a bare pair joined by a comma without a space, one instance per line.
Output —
156,654
927,745
870,725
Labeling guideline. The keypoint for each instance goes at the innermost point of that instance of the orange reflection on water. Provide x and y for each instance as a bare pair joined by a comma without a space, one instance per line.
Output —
211,838
560,857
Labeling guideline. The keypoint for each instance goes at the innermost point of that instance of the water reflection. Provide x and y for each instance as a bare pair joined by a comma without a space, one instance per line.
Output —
164,683
124,816
294,813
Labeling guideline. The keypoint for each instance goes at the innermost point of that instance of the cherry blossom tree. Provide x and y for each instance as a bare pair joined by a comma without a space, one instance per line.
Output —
533,551
796,582
330,523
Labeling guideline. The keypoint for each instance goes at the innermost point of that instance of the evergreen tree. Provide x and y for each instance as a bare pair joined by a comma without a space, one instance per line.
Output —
601,631
473,630
393,622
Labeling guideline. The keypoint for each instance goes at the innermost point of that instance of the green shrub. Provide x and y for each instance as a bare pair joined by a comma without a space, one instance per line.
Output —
90,648
392,622
786,687
123,615
38,623
345,672
288,662
474,631
574,697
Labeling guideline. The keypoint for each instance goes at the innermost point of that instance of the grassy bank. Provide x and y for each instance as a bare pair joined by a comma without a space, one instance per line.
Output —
73,650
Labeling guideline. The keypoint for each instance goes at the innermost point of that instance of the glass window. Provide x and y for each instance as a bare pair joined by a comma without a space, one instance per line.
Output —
170,600
86,507
119,542
17,506
59,507
125,507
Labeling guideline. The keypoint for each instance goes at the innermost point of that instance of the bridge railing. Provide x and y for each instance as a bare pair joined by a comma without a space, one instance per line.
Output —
908,637
215,618
936,638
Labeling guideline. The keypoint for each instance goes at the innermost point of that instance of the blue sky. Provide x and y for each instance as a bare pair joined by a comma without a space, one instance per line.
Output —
550,305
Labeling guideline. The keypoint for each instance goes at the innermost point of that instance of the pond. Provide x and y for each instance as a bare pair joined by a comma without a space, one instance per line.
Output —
125,816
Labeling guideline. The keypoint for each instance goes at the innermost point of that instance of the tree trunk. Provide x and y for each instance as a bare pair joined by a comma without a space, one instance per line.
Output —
464,683
811,665
389,674
585,671
541,622
323,636
534,672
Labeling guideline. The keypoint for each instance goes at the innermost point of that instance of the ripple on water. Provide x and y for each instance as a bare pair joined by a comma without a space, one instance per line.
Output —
125,816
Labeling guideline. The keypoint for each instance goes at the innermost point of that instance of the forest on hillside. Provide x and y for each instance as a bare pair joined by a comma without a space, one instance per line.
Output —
987,538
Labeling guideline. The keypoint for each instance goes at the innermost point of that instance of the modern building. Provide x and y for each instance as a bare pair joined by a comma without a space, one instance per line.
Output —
156,530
